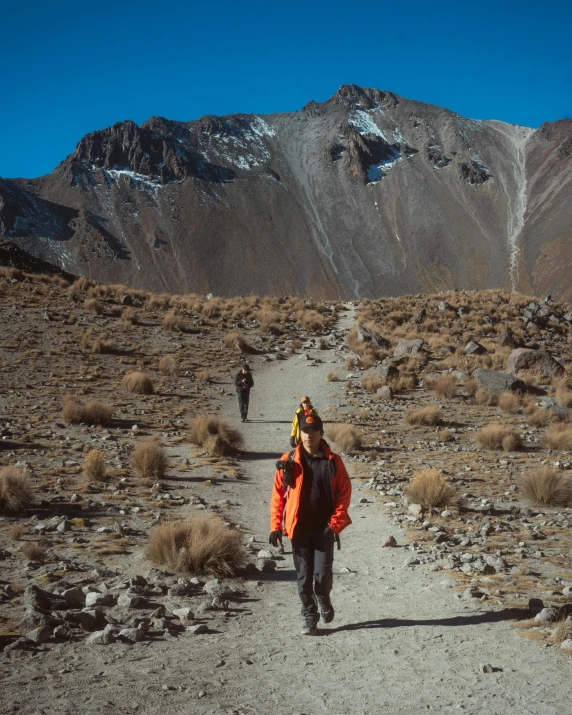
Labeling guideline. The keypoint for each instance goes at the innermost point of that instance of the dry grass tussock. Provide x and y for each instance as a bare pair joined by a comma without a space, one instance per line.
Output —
129,316
312,321
537,417
15,492
546,487
563,396
509,402
484,398
94,469
138,382
172,321
429,488
149,460
33,551
102,345
428,416
92,412
235,341
443,386
168,366
92,305
346,437
215,434
16,532
332,376
372,383
203,376
558,436
497,436
562,632
198,546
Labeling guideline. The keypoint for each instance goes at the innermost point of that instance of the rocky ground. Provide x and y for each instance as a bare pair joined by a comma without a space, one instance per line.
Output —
448,617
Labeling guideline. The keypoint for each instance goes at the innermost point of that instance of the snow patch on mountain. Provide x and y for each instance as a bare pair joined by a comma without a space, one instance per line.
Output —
364,124
376,172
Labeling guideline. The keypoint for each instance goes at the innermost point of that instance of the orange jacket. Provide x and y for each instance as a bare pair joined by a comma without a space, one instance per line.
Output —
341,489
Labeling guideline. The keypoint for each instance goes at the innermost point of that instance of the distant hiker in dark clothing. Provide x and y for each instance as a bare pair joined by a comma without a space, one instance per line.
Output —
310,500
243,382
304,409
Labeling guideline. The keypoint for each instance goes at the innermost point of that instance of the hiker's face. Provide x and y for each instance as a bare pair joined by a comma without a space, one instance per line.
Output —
311,439
306,405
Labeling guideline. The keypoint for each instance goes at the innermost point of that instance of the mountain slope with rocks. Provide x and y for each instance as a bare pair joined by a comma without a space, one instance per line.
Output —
365,194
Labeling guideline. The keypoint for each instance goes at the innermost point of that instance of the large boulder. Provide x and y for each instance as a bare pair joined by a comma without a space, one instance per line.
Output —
366,335
537,361
497,382
474,348
385,370
406,348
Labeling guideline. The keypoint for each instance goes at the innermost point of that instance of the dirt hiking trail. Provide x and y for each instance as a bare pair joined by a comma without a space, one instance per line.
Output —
402,641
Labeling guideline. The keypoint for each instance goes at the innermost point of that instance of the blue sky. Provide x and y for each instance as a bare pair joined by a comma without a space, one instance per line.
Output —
68,68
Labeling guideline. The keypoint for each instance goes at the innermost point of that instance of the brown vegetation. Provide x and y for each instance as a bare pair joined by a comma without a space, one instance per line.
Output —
346,437
429,488
215,434
94,469
546,487
33,551
558,436
92,412
15,492
168,366
138,382
198,546
149,461
444,386
497,436
428,416
509,402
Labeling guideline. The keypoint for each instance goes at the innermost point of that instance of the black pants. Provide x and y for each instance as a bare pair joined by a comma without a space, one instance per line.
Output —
243,397
313,559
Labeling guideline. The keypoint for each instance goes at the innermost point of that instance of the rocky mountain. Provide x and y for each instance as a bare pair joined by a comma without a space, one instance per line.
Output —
366,194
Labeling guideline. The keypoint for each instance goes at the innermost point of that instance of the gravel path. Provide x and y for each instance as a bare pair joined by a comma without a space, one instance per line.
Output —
402,640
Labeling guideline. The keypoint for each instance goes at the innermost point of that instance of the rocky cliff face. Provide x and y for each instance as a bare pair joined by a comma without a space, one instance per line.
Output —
366,194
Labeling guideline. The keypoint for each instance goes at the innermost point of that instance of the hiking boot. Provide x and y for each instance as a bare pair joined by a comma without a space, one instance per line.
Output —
326,611
309,627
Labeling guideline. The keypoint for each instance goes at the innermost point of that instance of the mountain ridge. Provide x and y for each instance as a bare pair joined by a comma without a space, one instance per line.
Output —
362,195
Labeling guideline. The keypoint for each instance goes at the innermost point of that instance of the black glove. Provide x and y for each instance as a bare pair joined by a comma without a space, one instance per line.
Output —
329,532
293,442
275,537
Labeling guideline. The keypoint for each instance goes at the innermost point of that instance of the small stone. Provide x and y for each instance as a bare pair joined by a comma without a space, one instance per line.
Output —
268,565
132,634
197,630
74,595
486,668
549,615
101,638
19,644
62,631
94,598
128,600
390,542
39,635
262,554
415,509
567,644
412,561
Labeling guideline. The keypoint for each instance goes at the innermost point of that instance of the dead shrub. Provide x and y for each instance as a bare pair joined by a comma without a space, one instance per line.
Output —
130,316
350,363
203,376
563,396
172,321
372,383
332,376
156,302
94,469
367,360
92,305
200,546
509,402
346,437
168,366
427,416
149,461
497,436
92,412
484,398
558,436
215,434
269,320
444,386
470,385
312,321
538,417
102,345
33,551
138,382
235,341
546,487
16,532
562,632
429,488
444,435
403,383
15,492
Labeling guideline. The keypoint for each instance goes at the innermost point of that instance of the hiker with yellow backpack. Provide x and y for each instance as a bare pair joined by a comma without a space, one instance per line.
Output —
304,409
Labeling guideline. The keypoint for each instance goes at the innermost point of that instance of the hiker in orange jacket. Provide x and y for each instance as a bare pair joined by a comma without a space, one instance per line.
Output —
310,500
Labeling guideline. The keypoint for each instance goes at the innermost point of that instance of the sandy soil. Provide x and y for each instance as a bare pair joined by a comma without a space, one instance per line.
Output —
402,639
